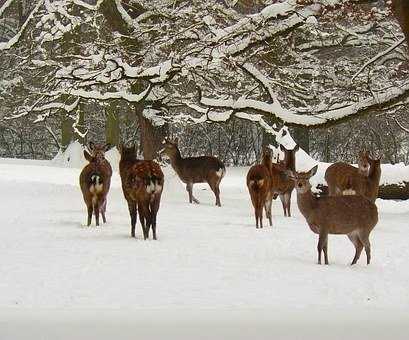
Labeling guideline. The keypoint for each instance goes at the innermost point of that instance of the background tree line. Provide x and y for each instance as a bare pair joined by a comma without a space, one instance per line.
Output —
222,75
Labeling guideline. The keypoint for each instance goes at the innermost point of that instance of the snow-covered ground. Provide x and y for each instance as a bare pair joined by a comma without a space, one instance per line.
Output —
210,268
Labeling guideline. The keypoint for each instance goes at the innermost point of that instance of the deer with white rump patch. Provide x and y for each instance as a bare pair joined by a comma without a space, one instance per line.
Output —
259,186
95,180
354,216
142,185
203,169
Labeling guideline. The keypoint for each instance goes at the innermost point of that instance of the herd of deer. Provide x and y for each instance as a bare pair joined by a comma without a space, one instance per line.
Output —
349,208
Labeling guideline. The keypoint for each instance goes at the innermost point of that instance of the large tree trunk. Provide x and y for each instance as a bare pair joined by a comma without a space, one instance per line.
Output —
112,130
301,136
401,10
66,131
151,137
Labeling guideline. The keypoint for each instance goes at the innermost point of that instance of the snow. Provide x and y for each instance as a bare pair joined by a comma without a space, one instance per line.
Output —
209,264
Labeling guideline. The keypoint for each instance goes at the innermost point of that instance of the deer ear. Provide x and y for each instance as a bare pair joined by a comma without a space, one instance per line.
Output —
177,141
290,174
87,156
313,171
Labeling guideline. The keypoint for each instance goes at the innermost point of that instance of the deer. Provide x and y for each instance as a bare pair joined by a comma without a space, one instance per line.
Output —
95,180
338,175
191,170
343,179
142,186
352,215
259,185
280,183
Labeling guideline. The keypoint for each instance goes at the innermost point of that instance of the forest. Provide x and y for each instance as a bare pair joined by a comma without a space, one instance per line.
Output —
225,76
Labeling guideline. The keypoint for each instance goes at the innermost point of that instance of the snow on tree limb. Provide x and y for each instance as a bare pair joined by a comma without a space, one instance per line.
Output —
268,32
379,99
5,6
7,45
97,95
378,56
400,125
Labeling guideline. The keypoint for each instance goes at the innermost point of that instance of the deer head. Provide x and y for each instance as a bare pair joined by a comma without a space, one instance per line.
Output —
302,179
96,152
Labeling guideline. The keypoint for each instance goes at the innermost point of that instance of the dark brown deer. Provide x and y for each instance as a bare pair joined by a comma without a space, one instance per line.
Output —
203,169
280,183
142,185
339,175
354,216
95,180
259,186
342,182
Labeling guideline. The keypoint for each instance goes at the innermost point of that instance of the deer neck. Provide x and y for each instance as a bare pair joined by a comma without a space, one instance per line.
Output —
289,163
176,159
306,203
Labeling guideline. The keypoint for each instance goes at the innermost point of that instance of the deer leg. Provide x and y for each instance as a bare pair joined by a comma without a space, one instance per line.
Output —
325,248
322,239
89,208
145,218
365,241
155,209
214,185
189,188
282,199
358,246
287,197
103,209
267,207
133,215
96,212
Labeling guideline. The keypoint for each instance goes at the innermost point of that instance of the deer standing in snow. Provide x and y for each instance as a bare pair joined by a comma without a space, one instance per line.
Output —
142,185
259,186
354,216
280,183
344,179
203,169
95,180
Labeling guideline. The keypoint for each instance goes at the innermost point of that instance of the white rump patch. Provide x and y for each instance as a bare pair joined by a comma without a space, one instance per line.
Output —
220,173
150,188
349,192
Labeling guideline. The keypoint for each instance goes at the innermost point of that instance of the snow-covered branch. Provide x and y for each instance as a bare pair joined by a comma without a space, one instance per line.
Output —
7,45
379,100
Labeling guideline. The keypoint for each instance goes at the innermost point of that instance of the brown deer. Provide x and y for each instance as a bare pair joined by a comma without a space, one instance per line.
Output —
203,169
347,180
95,180
259,186
280,183
354,216
338,175
142,185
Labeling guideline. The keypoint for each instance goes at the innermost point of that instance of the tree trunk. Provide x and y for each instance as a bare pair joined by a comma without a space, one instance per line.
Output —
151,137
301,136
401,10
66,131
112,131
